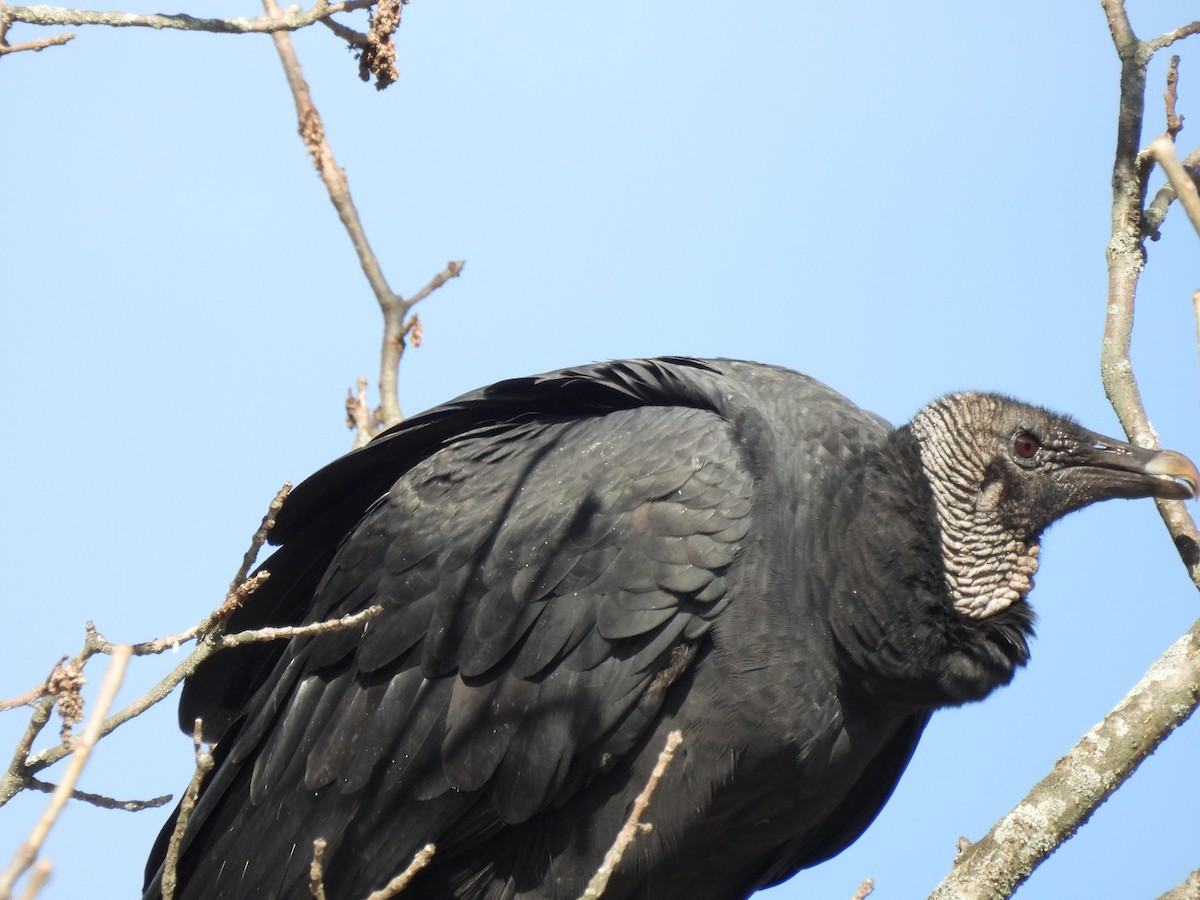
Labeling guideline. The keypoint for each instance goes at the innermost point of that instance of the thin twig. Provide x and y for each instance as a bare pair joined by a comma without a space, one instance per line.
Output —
358,415
28,851
36,46
37,879
1166,40
312,132
204,764
30,697
349,35
1171,96
45,787
633,824
395,308
274,24
287,632
316,870
401,881
260,536
209,625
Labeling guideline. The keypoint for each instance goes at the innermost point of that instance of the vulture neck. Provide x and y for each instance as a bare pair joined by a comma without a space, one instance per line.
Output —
898,612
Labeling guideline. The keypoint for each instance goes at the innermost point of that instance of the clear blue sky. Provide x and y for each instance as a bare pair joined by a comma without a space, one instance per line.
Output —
901,200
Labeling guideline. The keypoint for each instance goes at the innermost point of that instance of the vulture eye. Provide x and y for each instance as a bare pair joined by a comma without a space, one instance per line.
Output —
1025,445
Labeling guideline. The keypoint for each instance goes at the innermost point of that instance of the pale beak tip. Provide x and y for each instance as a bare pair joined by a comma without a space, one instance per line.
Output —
1176,466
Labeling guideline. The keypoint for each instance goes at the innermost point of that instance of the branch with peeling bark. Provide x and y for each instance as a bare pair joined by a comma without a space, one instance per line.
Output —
1170,690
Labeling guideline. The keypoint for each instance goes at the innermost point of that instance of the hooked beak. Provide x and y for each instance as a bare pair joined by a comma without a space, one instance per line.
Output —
1118,469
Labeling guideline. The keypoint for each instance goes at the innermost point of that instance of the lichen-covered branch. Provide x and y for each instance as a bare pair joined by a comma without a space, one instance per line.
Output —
1106,756
1188,889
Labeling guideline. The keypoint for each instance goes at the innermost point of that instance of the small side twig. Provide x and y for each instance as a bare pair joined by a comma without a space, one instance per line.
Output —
401,881
1171,97
1163,150
45,787
260,536
37,879
349,35
633,825
36,46
27,853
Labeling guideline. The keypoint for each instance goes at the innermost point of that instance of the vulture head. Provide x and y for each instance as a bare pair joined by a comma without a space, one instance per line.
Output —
1002,471
998,473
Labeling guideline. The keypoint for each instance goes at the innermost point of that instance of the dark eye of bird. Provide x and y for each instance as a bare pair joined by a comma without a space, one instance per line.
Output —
1025,445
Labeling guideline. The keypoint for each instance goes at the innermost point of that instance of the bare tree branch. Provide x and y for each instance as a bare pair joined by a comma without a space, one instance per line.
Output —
28,851
1126,259
204,764
277,23
36,784
394,307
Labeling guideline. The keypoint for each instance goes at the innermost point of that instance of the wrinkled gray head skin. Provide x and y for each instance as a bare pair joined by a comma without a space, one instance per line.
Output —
1002,471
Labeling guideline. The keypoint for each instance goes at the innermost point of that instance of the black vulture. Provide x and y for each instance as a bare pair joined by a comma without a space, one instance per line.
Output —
572,566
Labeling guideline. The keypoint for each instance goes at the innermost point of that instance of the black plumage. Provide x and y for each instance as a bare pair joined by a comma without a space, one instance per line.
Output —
573,565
